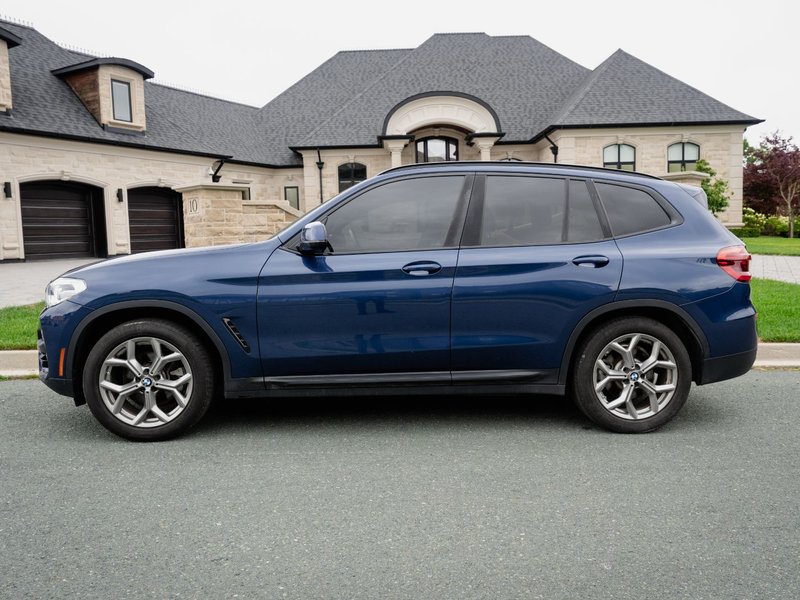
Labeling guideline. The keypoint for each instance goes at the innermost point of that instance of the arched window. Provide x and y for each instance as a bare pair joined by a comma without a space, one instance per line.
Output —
619,156
682,156
351,174
437,149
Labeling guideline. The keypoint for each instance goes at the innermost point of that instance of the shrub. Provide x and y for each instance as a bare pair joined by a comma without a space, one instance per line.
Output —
753,219
776,225
745,232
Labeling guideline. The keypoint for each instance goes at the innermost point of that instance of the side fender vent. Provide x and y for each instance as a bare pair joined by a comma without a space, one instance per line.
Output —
236,334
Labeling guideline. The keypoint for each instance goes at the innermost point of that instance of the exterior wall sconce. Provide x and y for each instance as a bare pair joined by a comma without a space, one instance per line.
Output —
7,189
119,194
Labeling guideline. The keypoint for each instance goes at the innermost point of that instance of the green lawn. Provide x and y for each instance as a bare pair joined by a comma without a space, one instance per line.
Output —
18,326
773,245
778,306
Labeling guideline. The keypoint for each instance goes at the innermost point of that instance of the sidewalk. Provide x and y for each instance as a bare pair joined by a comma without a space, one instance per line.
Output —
23,363
780,268
24,282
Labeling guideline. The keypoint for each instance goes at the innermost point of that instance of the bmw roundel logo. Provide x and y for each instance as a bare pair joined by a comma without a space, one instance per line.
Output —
634,376
147,382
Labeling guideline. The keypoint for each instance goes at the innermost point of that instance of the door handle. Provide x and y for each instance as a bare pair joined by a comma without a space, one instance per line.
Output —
595,261
421,268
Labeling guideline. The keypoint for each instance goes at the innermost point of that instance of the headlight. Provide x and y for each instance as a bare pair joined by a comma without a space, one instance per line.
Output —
62,288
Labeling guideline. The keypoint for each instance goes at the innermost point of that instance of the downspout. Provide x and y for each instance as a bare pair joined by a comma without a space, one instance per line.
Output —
553,148
320,164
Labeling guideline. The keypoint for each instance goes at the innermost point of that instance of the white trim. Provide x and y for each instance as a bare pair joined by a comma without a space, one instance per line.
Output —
441,110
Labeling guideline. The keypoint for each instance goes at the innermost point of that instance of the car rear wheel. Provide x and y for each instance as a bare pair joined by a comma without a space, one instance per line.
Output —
148,380
632,376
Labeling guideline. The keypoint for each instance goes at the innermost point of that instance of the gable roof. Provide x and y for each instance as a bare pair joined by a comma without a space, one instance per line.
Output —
624,90
344,102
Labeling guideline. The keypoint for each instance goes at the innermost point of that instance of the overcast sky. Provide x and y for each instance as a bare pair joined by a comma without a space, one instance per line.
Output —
742,53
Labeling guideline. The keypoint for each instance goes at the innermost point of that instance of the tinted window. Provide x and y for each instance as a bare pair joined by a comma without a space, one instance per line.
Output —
583,224
630,210
404,215
522,211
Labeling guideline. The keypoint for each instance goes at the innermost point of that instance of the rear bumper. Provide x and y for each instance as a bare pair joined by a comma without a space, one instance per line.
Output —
727,367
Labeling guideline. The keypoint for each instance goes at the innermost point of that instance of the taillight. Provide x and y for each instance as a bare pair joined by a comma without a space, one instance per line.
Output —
735,261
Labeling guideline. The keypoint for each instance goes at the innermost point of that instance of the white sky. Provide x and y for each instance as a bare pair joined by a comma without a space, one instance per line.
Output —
741,53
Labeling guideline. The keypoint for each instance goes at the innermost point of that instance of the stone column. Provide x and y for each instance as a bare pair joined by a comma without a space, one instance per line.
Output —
484,144
395,147
212,214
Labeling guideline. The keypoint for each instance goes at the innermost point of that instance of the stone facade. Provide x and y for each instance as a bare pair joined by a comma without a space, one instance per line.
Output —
5,78
26,158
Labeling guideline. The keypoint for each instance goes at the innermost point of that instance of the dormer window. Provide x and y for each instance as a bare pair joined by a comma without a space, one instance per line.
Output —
121,100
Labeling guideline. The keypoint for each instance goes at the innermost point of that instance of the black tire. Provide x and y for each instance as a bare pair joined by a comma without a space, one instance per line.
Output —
642,409
172,411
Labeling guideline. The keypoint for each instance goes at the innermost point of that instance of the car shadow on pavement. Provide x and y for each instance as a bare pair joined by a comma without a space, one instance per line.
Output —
382,411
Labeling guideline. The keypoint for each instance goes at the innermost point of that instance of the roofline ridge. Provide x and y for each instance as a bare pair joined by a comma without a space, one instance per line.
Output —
187,90
373,50
18,22
363,91
691,87
581,91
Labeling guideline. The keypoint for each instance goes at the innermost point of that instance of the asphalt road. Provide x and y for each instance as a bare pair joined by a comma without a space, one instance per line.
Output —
406,498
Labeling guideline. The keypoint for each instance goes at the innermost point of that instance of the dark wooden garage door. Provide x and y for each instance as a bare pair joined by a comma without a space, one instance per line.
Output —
62,220
155,217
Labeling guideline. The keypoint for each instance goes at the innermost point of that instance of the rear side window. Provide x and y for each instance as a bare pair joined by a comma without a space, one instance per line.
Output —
521,211
631,210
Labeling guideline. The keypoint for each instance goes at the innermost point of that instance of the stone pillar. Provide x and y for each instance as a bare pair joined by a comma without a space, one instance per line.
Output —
484,144
212,214
395,147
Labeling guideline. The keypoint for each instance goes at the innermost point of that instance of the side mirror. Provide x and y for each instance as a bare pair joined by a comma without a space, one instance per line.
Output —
313,239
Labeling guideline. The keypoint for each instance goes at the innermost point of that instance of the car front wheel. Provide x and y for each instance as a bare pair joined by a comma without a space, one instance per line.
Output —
148,380
632,376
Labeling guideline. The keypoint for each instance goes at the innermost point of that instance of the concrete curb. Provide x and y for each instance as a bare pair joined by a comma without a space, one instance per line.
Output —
23,363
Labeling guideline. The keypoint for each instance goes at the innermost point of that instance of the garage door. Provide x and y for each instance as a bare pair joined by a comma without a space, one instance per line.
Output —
155,217
62,220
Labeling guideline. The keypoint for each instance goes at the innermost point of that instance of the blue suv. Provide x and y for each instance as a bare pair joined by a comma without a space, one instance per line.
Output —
617,289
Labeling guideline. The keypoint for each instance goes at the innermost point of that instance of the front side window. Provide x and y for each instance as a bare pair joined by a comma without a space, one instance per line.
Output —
682,156
437,149
521,211
351,174
619,156
412,214
121,100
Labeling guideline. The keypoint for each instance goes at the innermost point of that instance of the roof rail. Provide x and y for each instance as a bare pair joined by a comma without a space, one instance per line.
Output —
515,163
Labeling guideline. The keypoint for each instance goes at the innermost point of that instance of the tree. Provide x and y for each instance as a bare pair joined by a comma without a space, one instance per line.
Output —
773,178
716,189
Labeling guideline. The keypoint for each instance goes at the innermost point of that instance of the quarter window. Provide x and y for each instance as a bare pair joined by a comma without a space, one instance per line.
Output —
351,174
437,149
412,214
630,210
521,211
682,156
121,100
619,156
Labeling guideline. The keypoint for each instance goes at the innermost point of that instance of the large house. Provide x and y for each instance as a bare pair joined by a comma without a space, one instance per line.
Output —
96,159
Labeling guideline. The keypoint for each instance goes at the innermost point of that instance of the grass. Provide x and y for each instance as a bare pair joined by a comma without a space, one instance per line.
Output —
773,245
778,306
18,326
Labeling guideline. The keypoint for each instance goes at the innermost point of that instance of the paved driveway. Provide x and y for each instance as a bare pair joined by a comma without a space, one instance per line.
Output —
442,498
24,282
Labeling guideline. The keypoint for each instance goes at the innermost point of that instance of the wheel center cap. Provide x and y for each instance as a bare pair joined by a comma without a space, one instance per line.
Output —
147,382
634,376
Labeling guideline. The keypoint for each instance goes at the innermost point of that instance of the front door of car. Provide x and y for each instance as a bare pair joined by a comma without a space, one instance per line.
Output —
376,305
537,256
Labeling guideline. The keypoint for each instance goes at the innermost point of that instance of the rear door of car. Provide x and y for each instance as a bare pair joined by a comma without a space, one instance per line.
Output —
376,307
536,256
